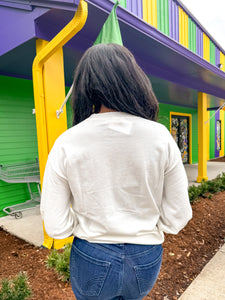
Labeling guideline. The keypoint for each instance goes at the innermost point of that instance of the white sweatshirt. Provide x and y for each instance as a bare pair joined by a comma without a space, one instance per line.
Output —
115,178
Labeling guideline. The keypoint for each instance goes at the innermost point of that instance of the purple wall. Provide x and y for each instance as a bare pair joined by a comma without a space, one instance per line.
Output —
174,20
217,117
199,38
135,6
217,60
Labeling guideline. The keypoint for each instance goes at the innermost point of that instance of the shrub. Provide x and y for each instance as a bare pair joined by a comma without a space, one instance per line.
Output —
16,289
207,188
60,261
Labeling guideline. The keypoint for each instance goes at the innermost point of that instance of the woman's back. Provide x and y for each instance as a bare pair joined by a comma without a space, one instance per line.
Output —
116,165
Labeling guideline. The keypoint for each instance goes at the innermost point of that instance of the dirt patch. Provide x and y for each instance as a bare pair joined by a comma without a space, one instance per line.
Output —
219,159
184,256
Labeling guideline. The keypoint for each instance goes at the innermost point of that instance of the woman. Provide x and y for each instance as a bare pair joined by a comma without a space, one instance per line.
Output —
115,180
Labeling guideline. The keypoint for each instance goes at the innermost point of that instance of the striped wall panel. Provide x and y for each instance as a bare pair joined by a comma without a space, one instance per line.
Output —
222,61
217,56
199,39
150,12
136,7
173,20
163,16
192,35
212,53
183,28
206,47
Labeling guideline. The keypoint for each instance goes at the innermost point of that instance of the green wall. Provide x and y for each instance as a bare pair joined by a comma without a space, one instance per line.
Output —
18,138
163,16
164,118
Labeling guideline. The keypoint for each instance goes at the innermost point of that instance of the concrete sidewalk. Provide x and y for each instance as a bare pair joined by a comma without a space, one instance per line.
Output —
209,285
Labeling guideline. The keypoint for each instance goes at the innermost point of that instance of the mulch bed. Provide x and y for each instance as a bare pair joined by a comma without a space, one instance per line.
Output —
184,256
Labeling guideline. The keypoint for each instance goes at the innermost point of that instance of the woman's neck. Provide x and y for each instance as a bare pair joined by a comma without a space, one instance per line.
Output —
105,109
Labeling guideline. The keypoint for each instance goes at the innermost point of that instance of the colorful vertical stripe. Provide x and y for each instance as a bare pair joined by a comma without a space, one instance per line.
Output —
163,16
222,61
150,12
173,20
136,7
212,53
206,47
191,35
183,28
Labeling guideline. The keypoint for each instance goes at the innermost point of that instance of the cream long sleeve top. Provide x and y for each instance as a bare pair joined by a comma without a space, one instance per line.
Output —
115,178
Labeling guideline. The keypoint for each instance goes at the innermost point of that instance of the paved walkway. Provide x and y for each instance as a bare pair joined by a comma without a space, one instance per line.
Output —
209,285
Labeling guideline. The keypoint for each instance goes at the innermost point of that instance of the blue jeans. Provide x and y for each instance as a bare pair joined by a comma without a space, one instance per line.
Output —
113,271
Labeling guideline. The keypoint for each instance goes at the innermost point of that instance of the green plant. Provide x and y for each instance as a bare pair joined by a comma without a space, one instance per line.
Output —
15,289
60,261
207,188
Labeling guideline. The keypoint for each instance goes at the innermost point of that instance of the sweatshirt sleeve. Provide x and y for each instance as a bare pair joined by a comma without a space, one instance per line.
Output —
56,210
175,209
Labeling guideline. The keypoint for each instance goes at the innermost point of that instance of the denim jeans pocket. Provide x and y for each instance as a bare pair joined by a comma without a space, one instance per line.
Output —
87,273
147,274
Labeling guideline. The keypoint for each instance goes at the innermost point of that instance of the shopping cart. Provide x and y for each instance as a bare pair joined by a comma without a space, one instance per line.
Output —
23,172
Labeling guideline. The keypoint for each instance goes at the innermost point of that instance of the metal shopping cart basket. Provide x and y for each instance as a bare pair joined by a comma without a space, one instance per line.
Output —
23,172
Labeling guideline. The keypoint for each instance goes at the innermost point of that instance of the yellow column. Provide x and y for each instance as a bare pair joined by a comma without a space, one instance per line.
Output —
202,137
54,90
49,93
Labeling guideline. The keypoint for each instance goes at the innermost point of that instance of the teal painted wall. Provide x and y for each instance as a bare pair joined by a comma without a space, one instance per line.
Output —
164,118
18,138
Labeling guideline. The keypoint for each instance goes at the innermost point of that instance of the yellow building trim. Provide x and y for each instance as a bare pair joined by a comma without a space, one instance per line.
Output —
190,130
206,47
183,27
150,12
222,133
202,137
222,61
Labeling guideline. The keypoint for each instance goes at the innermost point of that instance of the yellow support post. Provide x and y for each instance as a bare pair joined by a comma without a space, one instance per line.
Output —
46,89
202,137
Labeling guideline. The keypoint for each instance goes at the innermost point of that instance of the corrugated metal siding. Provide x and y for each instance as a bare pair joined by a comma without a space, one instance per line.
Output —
136,7
199,40
173,20
222,61
150,12
217,58
164,118
163,16
206,47
212,52
192,35
183,28
18,138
